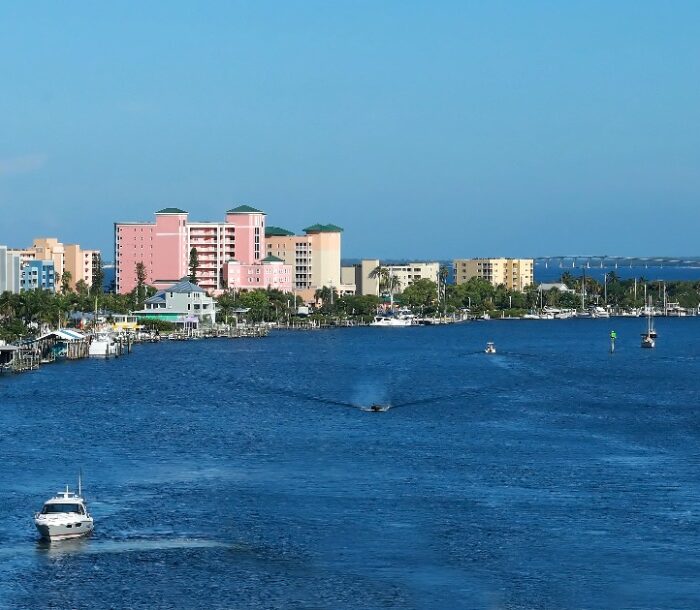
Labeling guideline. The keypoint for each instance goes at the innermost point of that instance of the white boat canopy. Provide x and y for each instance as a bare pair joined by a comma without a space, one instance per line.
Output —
64,334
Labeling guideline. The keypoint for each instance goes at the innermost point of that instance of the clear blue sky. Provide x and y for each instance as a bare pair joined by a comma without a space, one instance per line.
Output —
425,129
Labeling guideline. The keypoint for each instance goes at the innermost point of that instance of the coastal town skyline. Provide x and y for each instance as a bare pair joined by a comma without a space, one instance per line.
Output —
495,130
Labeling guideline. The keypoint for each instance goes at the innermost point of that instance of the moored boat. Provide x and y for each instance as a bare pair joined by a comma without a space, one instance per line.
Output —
392,320
648,338
103,345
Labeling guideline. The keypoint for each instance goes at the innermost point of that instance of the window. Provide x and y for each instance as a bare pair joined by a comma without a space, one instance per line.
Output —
62,508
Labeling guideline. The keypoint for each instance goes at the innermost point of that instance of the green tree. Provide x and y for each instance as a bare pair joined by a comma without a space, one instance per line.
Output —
358,305
258,303
388,283
98,278
194,265
141,275
81,288
421,293
225,304
66,280
328,298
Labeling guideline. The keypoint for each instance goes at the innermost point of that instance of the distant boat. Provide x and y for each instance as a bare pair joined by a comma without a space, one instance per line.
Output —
64,516
490,348
599,312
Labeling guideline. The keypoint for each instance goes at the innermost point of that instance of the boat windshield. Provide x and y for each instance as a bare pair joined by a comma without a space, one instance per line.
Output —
62,508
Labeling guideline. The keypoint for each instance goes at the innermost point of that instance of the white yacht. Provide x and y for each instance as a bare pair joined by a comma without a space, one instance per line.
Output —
490,348
64,516
393,320
103,345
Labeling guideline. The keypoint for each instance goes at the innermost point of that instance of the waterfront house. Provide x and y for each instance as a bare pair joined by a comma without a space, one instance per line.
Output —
183,303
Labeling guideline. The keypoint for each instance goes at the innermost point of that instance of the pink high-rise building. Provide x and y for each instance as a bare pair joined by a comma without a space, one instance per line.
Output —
228,253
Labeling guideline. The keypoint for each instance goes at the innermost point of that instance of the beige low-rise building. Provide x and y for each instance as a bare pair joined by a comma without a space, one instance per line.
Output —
364,283
408,273
405,274
513,273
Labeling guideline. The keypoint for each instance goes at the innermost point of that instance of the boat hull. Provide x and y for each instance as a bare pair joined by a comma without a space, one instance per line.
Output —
102,349
64,531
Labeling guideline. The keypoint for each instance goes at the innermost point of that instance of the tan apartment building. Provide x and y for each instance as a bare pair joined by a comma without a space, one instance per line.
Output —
315,257
82,264
513,273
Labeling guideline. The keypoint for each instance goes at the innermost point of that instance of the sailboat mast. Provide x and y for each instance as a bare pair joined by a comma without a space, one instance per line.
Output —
391,289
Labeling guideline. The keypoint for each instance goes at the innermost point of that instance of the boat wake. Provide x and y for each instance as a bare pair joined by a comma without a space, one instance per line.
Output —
378,407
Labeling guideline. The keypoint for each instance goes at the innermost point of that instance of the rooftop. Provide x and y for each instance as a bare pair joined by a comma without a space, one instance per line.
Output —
171,211
158,297
272,259
319,228
271,231
244,209
184,285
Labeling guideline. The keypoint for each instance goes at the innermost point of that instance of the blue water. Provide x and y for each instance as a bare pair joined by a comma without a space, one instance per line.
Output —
238,473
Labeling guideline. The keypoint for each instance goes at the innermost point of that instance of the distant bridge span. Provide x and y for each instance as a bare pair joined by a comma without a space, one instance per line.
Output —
605,260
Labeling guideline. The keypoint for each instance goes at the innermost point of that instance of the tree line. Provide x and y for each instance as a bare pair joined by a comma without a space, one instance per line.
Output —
22,314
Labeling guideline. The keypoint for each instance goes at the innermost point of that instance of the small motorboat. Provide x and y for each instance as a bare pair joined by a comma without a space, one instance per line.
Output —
64,516
490,348
377,408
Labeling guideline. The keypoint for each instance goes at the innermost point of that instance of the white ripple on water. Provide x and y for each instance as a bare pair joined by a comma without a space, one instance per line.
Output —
87,546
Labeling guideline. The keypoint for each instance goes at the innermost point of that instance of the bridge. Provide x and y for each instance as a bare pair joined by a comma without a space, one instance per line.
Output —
589,261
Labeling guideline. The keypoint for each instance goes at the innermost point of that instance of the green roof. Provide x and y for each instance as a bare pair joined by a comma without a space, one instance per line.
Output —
317,228
171,211
272,259
244,209
271,231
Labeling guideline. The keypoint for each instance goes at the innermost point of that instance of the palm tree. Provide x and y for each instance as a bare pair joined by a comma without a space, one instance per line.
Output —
387,282
443,274
226,303
382,274
141,275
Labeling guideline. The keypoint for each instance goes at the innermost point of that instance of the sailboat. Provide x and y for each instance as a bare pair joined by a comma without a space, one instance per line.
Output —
647,338
650,312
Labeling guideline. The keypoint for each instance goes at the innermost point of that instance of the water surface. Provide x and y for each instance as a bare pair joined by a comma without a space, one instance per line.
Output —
243,474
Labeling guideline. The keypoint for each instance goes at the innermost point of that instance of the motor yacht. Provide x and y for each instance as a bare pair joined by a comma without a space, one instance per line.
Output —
64,516
390,319
490,348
